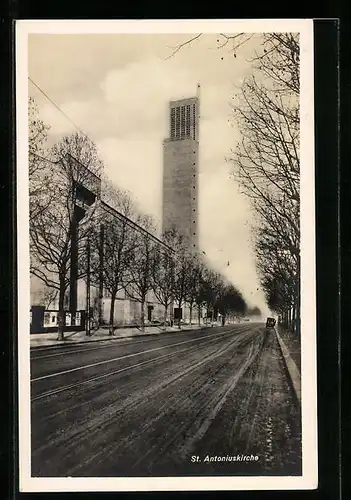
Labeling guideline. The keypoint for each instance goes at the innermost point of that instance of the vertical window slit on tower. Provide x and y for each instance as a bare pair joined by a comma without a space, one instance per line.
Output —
188,120
177,122
172,123
182,122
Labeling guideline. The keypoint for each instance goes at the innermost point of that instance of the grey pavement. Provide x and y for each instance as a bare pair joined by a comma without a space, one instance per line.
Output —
292,343
293,370
76,337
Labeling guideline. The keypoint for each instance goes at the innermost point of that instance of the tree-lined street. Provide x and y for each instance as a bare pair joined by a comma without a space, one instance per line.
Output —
218,398
164,405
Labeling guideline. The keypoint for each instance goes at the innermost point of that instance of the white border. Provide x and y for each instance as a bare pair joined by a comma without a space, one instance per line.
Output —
308,480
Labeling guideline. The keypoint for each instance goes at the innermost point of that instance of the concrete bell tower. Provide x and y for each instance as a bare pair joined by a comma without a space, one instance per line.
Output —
180,169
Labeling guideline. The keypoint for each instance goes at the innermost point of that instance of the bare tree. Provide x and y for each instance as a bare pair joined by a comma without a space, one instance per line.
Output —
115,242
210,285
83,150
49,296
267,159
59,209
279,60
182,269
163,277
200,295
280,280
229,301
267,162
193,285
141,272
232,42
37,137
38,174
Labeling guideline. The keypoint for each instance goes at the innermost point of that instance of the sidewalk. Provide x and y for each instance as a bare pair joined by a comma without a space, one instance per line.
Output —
292,343
50,339
291,351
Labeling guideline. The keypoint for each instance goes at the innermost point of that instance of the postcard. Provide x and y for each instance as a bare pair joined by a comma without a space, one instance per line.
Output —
166,255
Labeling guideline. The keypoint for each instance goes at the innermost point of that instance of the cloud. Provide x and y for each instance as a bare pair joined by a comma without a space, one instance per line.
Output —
139,94
135,164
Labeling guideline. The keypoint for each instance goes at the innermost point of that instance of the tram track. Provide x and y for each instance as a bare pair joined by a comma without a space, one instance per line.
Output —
147,411
210,339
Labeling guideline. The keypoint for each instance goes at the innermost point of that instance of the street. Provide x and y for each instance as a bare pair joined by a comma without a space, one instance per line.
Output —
165,405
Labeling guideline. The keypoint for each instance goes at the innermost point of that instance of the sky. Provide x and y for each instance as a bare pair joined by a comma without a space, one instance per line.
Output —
116,88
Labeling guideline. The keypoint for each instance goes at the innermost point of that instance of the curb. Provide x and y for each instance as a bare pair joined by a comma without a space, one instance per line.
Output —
293,371
68,344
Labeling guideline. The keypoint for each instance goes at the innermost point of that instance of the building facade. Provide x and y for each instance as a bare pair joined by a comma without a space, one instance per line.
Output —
77,207
180,170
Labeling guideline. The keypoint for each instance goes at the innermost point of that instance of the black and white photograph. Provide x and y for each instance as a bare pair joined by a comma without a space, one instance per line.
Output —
166,255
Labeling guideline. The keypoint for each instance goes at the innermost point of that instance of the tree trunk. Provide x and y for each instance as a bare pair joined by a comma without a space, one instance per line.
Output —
142,315
297,308
61,313
179,319
165,317
190,313
294,318
171,313
199,314
101,275
298,319
112,314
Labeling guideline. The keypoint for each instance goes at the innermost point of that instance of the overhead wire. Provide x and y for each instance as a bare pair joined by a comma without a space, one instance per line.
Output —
57,107
37,86
83,133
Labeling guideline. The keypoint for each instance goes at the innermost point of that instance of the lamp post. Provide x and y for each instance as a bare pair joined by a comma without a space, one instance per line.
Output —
87,321
87,219
101,273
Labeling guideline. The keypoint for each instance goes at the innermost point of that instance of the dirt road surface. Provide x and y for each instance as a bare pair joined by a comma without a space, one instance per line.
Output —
187,403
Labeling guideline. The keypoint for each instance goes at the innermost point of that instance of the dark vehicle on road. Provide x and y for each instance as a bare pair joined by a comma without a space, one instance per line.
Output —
270,323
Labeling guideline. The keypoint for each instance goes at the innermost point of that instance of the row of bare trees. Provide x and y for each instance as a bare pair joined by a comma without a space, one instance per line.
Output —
130,259
267,166
105,240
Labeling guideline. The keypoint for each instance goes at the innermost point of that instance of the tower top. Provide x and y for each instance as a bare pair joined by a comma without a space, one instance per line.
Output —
184,101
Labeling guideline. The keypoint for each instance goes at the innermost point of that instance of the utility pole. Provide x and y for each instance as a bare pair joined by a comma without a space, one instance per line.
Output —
87,323
101,273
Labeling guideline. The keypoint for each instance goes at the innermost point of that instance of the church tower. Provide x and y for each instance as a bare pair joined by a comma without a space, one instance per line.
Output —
180,170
